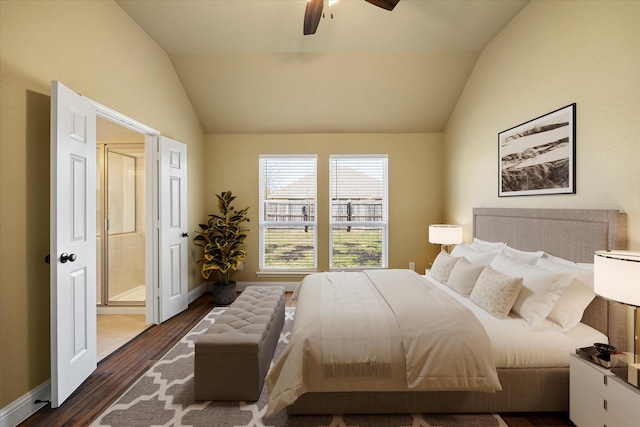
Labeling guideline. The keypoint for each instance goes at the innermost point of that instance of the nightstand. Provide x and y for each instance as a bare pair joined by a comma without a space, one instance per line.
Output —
599,398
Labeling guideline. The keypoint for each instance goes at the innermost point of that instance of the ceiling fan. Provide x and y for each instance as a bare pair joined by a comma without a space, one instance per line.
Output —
313,12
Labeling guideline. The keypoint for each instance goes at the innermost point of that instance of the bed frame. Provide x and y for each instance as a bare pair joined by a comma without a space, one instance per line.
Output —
573,234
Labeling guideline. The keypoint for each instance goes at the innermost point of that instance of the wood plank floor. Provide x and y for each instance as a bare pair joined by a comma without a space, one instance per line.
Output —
117,372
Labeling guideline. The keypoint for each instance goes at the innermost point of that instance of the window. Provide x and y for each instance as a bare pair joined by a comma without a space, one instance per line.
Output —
288,212
358,217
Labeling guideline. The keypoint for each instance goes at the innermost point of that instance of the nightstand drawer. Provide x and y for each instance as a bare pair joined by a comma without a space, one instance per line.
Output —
588,374
617,418
586,407
626,398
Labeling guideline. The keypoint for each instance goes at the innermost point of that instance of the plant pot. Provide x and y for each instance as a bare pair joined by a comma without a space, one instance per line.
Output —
224,293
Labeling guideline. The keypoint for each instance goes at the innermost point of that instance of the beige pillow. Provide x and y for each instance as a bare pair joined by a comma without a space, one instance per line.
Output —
569,309
442,266
464,276
496,292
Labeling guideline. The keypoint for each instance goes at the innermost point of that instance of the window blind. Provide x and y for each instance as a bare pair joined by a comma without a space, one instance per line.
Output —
288,212
358,217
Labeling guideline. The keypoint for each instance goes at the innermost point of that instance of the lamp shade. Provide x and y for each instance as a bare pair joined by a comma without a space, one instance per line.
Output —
445,234
616,276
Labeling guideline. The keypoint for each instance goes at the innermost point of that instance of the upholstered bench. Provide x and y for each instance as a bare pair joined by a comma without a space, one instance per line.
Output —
233,356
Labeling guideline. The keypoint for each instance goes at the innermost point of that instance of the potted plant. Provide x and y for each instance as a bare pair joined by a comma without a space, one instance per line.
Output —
221,239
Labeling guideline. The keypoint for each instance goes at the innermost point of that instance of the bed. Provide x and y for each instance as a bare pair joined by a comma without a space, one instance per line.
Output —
566,235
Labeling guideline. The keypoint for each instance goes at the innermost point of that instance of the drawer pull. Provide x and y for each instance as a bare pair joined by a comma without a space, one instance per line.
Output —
605,405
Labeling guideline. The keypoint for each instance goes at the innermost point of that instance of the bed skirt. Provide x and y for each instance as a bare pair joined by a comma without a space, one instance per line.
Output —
524,390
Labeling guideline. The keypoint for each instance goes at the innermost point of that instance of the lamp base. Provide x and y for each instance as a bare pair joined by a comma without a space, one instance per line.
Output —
624,368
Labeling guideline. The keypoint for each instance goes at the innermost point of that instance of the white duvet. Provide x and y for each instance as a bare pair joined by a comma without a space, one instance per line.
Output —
432,343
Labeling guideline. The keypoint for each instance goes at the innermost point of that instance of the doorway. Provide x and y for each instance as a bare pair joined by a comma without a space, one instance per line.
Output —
73,243
120,235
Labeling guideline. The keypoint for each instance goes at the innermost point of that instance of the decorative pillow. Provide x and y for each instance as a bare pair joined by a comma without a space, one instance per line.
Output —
541,288
569,309
524,257
475,256
464,276
442,266
496,292
483,245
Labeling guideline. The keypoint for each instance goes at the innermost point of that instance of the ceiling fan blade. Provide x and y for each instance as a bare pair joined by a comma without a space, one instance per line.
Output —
312,15
385,4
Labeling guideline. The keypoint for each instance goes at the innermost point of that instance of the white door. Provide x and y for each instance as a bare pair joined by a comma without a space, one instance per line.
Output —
73,241
173,233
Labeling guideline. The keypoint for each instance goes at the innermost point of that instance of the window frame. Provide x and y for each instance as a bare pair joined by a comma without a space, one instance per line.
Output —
263,224
384,224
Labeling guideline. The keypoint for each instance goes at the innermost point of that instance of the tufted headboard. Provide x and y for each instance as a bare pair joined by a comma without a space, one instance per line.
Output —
573,234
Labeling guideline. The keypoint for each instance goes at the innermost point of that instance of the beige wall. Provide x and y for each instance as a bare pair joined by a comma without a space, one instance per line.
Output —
94,48
415,177
554,53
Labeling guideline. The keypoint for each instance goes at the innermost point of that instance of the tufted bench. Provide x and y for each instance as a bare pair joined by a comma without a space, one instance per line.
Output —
233,356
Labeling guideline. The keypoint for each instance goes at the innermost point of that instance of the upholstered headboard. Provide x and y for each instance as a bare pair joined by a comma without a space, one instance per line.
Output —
573,234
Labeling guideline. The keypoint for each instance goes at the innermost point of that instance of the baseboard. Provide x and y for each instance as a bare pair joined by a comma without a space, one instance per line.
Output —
240,286
195,293
24,407
288,286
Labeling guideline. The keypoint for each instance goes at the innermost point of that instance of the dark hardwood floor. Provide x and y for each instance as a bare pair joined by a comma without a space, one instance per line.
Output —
117,372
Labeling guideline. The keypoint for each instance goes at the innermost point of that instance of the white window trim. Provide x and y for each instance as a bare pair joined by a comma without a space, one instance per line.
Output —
384,224
269,271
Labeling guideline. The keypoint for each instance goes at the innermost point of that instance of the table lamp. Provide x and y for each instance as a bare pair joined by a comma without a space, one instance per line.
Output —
617,277
445,235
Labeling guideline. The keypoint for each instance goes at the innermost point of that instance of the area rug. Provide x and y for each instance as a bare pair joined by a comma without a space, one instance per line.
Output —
164,397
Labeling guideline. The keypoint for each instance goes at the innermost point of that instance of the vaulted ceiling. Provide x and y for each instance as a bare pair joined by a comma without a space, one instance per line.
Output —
247,67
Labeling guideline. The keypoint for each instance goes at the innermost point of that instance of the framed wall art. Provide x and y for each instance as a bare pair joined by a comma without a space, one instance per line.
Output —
539,156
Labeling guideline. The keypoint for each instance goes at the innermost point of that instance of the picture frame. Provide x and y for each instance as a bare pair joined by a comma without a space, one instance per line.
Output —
538,157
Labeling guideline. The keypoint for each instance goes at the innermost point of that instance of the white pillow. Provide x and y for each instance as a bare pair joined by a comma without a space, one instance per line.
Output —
569,309
475,256
442,266
524,257
540,291
551,262
555,262
495,292
464,276
483,245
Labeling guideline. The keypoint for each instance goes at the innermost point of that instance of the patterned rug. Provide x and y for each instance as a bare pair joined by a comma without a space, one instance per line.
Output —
164,397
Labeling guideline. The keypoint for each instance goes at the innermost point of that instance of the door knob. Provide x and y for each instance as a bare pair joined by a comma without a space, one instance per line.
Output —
67,257
185,234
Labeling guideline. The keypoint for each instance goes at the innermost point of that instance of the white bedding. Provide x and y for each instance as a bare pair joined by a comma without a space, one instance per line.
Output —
510,342
516,346
435,343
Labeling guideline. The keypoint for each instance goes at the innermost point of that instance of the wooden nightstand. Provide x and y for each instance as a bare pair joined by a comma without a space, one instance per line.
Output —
599,398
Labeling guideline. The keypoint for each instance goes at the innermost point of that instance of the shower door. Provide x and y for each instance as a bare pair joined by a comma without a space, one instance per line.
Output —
121,225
